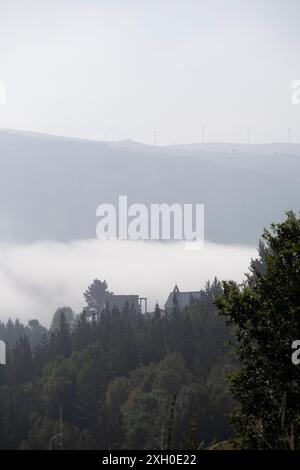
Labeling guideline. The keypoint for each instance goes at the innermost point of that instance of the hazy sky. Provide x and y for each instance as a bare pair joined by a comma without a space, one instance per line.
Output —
83,68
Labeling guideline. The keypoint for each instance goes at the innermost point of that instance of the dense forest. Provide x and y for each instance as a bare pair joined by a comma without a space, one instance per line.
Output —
115,377
110,379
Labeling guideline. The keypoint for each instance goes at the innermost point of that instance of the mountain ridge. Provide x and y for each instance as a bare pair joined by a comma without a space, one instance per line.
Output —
50,188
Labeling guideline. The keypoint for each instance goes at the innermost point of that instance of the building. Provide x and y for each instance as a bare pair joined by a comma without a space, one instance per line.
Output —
134,302
180,300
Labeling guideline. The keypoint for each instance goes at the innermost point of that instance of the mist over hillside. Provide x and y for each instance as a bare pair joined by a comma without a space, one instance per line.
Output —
150,230
51,186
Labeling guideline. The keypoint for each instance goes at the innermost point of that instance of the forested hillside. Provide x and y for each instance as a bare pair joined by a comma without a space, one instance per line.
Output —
120,380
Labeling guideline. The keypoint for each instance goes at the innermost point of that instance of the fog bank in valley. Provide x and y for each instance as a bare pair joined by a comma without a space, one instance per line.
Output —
37,278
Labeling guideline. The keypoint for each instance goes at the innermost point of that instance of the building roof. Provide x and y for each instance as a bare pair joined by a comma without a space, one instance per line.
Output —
181,299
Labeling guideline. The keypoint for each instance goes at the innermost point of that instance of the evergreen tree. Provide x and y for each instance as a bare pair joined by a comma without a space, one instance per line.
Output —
96,297
60,341
69,317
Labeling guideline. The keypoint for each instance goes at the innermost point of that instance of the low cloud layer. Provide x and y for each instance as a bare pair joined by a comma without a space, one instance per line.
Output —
37,278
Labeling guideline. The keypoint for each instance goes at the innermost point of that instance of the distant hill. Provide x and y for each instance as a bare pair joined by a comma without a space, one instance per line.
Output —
50,186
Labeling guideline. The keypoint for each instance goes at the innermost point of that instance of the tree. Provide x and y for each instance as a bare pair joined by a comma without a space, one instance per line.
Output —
96,297
43,433
36,333
157,312
69,317
60,340
20,362
265,313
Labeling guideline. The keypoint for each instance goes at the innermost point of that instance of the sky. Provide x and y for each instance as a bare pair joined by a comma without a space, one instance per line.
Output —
122,69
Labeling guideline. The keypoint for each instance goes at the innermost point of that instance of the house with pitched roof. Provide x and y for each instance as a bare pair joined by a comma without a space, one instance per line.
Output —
181,300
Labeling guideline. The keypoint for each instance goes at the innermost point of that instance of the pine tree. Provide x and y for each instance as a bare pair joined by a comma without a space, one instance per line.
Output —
96,297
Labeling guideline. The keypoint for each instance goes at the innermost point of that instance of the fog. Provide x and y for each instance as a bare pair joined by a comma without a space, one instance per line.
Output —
37,278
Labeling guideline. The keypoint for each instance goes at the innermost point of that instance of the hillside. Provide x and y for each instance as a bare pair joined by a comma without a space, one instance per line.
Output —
50,186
